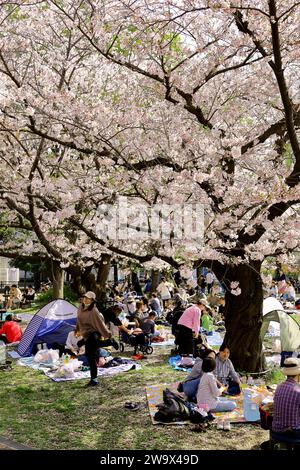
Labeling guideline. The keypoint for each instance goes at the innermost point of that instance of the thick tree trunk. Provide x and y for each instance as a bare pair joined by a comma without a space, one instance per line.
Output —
154,280
58,276
243,315
102,276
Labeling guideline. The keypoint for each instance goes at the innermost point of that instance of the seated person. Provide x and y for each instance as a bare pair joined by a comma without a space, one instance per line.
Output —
28,295
207,322
208,394
155,304
10,331
286,416
71,347
111,315
191,383
15,297
225,371
148,325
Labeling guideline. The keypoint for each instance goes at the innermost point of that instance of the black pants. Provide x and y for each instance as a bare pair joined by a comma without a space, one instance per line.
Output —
4,339
92,344
185,340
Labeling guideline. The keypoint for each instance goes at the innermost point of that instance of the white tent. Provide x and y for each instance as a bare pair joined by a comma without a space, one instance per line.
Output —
273,311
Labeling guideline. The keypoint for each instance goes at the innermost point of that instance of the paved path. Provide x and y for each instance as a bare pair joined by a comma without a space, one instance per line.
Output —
7,444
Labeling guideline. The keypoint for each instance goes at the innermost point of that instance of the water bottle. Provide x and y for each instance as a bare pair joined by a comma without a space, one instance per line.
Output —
2,353
251,409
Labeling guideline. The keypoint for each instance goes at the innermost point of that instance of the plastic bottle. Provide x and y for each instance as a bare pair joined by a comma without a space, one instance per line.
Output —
66,359
2,353
251,408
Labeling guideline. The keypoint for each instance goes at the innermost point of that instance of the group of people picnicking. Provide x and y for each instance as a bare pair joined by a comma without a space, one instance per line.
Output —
192,319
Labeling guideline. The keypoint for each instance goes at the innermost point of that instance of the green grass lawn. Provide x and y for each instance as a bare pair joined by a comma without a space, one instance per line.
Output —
43,414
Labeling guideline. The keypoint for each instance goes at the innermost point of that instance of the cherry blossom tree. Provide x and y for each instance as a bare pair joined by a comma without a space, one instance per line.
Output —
169,102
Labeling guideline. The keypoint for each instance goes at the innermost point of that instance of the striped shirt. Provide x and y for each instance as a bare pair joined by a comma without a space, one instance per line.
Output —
191,318
225,371
286,406
208,392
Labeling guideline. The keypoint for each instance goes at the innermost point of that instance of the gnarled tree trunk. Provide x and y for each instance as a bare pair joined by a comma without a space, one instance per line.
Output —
58,277
243,315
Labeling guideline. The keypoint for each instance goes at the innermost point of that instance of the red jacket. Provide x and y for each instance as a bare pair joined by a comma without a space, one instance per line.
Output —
12,330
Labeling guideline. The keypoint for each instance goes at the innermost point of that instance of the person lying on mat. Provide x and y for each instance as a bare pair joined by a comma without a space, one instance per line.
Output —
225,371
209,394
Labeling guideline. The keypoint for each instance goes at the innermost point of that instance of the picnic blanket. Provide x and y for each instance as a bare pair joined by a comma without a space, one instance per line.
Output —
215,339
81,374
155,395
174,361
169,342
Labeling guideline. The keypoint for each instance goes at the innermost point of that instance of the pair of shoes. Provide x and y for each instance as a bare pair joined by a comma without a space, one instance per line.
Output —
92,383
114,344
131,406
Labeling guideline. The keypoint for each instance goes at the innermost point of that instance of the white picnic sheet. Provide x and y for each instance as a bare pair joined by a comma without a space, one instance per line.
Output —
102,372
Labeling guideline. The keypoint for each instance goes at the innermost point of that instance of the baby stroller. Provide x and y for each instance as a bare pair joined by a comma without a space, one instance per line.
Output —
140,342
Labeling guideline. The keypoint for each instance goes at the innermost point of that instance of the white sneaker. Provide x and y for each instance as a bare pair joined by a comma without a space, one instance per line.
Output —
220,425
227,425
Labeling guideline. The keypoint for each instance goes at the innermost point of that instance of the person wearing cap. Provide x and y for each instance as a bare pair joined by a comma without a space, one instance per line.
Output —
287,400
189,325
92,326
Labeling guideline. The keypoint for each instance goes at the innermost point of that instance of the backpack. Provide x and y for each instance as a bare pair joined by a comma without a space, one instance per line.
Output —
175,408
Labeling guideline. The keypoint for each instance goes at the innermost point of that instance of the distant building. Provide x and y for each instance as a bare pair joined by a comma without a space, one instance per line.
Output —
8,275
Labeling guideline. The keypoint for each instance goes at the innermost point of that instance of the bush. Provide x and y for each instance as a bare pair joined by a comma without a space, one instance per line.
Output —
46,297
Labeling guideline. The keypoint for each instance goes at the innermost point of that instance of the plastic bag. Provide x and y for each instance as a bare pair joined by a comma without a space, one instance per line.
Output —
65,371
47,356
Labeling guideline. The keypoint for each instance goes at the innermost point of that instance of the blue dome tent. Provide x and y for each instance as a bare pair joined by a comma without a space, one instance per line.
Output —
51,324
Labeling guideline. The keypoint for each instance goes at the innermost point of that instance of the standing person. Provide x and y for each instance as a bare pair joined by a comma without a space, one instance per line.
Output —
209,281
202,284
92,326
189,325
287,400
10,331
147,288
155,304
164,289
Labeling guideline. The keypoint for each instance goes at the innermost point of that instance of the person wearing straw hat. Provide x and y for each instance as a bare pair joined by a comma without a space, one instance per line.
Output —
287,400
189,324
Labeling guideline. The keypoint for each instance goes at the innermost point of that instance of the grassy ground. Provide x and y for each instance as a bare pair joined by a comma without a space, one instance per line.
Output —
42,414
48,415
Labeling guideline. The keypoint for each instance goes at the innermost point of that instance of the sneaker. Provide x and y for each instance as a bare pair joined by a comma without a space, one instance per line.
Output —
227,425
92,383
114,344
220,425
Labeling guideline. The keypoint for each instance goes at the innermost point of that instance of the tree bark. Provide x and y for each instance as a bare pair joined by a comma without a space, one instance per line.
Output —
154,280
243,315
58,276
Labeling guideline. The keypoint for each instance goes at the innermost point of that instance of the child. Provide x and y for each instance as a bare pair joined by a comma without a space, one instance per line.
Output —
208,394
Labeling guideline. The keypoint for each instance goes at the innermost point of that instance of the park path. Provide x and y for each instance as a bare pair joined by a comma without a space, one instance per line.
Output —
7,444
